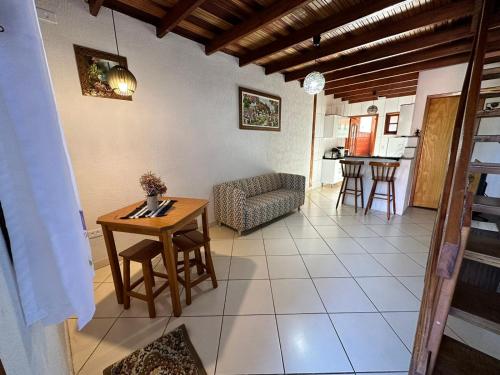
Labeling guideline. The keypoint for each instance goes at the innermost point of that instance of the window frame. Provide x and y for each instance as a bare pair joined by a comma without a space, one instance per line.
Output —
387,123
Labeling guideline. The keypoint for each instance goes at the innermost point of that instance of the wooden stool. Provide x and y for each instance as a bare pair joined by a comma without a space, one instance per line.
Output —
192,242
192,225
383,172
143,252
351,169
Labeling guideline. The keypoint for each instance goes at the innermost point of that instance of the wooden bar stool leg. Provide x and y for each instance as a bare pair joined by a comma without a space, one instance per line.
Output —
153,282
340,193
148,286
199,262
187,277
393,197
362,196
370,198
345,188
388,200
210,265
126,284
355,194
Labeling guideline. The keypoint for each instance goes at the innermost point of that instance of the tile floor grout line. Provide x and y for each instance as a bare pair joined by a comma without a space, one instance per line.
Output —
326,310
274,309
98,344
224,308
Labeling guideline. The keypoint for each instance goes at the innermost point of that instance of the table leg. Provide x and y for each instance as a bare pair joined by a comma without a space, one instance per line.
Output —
208,255
113,262
168,249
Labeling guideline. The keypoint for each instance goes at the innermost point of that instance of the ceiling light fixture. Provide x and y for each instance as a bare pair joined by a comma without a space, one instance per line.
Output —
120,79
314,81
373,109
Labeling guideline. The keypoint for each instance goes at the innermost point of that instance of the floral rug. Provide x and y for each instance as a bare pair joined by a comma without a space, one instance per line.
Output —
171,354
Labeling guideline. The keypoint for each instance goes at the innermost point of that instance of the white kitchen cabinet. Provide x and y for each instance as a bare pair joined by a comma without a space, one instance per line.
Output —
329,125
343,127
331,171
405,119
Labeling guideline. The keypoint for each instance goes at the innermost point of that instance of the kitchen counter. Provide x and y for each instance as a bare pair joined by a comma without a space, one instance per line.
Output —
402,183
379,158
327,158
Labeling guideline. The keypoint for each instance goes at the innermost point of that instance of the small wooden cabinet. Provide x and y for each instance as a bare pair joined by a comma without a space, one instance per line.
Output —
331,171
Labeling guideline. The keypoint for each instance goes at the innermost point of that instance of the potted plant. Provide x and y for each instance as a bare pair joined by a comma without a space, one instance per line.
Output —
153,186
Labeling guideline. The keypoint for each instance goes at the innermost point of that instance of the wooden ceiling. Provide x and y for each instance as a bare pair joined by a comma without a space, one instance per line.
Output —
368,48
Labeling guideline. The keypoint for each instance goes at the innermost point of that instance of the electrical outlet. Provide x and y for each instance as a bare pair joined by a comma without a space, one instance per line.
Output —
94,233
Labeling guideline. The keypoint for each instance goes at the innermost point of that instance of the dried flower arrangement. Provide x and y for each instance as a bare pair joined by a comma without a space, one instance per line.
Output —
152,184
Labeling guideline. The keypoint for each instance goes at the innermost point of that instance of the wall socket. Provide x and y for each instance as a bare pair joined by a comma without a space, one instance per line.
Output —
94,233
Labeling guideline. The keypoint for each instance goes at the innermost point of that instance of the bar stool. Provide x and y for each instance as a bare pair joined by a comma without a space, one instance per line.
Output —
192,242
351,169
143,252
383,172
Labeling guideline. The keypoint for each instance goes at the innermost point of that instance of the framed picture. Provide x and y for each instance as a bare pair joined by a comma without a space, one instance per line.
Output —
93,66
259,111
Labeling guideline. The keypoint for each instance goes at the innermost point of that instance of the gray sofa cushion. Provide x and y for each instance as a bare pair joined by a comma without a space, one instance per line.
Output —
265,207
259,185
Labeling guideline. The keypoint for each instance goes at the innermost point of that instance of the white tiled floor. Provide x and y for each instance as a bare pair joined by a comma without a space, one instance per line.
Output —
320,291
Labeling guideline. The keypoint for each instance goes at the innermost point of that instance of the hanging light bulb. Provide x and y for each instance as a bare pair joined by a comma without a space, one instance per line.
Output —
314,81
120,79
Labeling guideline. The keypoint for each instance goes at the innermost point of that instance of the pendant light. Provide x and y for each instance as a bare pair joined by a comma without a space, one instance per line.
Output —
373,109
120,79
314,81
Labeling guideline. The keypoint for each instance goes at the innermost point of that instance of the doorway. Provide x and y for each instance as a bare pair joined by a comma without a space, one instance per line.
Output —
362,132
432,161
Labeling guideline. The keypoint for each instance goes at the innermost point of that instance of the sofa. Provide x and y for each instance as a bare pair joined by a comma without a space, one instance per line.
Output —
246,203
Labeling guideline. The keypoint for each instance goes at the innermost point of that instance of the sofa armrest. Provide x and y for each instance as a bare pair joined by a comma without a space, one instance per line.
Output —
293,182
229,202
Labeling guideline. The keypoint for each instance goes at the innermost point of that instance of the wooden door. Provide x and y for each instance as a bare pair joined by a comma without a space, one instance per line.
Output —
362,134
431,167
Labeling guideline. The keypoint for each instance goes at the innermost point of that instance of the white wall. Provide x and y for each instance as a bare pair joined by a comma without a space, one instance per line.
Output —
385,105
182,122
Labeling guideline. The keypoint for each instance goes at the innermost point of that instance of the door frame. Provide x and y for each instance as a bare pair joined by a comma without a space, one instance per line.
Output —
374,132
421,141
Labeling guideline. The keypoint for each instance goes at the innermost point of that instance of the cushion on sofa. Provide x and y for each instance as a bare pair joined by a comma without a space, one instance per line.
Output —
258,185
264,207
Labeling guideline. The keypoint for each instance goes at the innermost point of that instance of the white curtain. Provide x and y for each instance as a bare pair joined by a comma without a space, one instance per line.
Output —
51,254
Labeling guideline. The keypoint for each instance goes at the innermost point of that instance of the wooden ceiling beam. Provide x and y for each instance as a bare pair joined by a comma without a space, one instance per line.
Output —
369,90
385,50
374,83
412,68
317,28
175,15
371,98
411,59
95,6
270,14
379,93
383,29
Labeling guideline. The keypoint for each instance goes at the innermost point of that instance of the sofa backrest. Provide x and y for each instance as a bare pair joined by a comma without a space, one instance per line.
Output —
257,185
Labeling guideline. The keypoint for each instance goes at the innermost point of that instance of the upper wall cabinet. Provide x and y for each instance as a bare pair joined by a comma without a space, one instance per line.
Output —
336,126
405,119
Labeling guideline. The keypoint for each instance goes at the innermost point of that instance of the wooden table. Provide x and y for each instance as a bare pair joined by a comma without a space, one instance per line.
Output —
181,213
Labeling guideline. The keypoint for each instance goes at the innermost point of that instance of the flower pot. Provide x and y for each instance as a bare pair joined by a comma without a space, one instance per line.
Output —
152,202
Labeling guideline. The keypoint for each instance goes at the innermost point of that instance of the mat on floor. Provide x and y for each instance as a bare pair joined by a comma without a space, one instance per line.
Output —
171,354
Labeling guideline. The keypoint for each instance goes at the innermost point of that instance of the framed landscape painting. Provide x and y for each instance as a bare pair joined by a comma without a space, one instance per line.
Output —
259,111
93,66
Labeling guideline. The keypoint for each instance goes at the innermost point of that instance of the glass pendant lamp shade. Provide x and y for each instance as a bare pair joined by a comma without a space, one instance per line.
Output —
122,81
314,83
373,109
